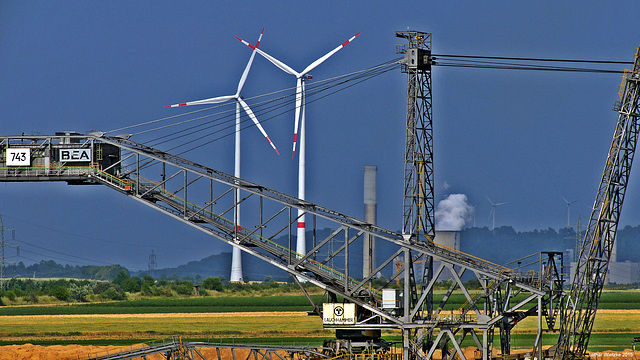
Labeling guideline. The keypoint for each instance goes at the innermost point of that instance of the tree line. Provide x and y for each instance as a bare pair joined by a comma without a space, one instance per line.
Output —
123,286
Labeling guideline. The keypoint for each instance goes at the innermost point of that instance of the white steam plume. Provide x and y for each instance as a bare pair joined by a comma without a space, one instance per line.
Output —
453,212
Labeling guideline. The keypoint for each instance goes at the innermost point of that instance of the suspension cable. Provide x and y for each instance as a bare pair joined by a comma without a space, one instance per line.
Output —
219,123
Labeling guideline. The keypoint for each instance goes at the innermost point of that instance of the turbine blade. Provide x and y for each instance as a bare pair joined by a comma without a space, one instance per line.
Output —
214,100
245,73
491,202
246,69
282,66
299,94
314,64
253,117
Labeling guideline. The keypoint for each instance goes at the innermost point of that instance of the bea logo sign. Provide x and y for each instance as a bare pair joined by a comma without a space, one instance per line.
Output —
75,155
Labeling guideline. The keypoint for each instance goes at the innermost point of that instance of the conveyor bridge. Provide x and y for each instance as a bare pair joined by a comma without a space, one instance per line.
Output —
208,199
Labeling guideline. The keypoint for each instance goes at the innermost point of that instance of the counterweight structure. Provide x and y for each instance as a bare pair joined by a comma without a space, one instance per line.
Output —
591,269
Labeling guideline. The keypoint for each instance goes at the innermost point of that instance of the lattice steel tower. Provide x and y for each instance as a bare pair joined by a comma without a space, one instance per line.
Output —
418,207
591,269
418,157
3,245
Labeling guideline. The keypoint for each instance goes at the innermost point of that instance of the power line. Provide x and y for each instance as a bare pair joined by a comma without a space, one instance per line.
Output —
91,262
534,59
62,253
522,63
452,60
204,127
222,122
87,237
320,87
527,67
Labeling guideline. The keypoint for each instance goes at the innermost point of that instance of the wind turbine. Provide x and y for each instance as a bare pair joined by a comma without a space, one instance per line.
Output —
236,259
299,120
474,213
568,210
239,103
493,211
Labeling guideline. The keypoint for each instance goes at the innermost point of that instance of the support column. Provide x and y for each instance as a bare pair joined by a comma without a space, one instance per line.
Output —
539,336
370,213
485,344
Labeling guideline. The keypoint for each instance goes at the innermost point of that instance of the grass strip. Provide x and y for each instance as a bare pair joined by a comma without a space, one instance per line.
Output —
171,305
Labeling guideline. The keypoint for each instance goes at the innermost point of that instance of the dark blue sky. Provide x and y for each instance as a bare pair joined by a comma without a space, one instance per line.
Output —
525,138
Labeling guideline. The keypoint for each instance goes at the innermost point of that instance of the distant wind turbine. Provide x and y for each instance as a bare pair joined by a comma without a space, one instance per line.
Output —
236,259
300,120
493,211
474,213
568,210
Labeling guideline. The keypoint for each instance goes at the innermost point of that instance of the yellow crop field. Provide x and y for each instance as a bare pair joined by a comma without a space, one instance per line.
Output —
266,324
285,324
220,325
606,321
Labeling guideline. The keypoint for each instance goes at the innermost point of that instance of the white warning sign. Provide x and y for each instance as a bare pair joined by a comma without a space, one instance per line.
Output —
18,157
339,314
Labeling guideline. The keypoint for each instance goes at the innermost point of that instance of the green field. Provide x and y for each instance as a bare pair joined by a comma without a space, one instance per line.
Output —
272,319
171,305
626,299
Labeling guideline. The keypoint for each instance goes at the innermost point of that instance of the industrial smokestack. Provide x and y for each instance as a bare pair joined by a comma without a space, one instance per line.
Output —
370,214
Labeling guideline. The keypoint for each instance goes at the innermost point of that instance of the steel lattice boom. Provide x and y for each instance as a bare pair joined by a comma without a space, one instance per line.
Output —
204,198
592,265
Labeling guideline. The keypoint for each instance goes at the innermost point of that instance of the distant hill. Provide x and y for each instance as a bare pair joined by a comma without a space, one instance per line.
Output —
500,246
504,244
219,265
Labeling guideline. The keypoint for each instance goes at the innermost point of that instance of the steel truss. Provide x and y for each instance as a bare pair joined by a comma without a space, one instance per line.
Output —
591,269
418,211
204,198
176,349
492,304
418,215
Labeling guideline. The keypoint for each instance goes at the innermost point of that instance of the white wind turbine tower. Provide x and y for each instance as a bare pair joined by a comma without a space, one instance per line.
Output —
236,259
299,120
474,213
493,211
568,210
